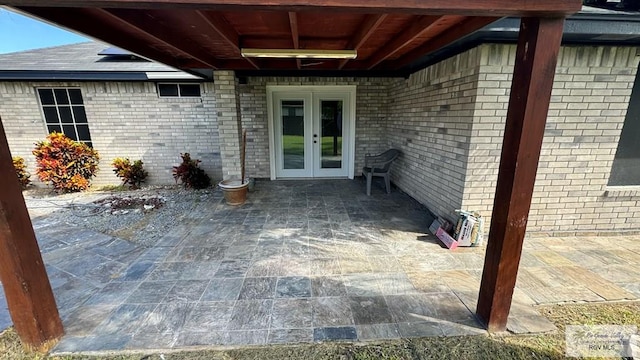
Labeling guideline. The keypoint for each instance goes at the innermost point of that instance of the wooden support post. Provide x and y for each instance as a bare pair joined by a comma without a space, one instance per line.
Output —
24,278
536,57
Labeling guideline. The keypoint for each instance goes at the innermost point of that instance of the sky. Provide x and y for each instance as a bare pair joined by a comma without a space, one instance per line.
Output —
18,32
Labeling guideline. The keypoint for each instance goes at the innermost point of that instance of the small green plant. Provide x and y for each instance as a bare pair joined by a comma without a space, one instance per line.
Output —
65,164
190,174
21,171
131,174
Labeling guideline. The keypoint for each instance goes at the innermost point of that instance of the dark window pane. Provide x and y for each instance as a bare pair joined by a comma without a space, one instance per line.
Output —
54,128
70,131
331,134
65,114
89,143
79,114
46,96
192,90
50,114
83,133
626,164
61,96
168,89
75,96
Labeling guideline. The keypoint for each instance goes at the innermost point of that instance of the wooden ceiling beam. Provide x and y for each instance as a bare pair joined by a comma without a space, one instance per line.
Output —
417,28
89,22
495,8
295,36
162,34
457,32
365,30
220,25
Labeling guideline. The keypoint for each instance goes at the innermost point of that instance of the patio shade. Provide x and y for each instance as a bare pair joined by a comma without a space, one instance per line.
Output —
389,36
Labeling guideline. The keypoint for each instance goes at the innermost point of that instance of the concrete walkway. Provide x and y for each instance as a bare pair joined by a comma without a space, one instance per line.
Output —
306,261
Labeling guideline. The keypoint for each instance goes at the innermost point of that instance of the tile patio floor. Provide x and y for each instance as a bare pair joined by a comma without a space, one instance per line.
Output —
305,261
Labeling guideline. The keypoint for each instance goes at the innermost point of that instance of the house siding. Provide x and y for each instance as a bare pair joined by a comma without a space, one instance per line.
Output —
229,123
589,101
430,120
126,119
447,119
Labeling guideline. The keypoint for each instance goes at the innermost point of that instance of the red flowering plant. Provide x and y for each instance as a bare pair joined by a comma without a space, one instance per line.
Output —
65,164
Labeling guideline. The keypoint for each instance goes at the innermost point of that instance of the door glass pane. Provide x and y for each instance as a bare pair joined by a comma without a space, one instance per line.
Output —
293,134
331,130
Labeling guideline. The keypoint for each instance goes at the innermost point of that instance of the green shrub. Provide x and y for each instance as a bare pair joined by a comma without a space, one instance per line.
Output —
65,164
21,171
132,174
190,174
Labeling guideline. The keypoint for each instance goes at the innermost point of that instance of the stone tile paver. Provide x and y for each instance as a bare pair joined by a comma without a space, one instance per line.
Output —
305,261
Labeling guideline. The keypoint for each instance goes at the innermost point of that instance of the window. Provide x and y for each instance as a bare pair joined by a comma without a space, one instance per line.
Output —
626,164
179,90
63,111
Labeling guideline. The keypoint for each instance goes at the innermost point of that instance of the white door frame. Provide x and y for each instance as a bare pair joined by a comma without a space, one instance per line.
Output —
349,127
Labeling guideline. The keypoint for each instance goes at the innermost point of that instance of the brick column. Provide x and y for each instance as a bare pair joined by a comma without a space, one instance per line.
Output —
229,126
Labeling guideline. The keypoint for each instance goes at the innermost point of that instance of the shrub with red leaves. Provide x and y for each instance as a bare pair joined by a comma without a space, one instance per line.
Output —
65,164
190,174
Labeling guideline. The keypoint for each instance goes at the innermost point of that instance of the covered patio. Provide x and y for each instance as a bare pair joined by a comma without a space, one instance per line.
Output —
303,261
200,36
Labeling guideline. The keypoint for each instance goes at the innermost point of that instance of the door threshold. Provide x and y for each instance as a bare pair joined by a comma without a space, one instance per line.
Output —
314,178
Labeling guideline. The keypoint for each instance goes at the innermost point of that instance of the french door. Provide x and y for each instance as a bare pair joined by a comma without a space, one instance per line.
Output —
312,133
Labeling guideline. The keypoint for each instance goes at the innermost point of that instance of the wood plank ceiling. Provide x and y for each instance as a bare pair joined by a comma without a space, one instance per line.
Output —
187,36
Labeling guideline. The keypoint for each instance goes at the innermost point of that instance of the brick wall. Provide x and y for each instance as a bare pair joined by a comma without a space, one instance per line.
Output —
430,120
371,111
22,120
590,97
447,119
229,123
126,119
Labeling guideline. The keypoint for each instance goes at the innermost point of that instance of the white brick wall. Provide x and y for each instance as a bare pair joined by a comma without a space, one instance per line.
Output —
447,119
589,100
126,119
229,124
430,119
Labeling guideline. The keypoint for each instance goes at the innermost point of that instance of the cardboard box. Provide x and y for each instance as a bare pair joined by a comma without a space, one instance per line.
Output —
446,239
